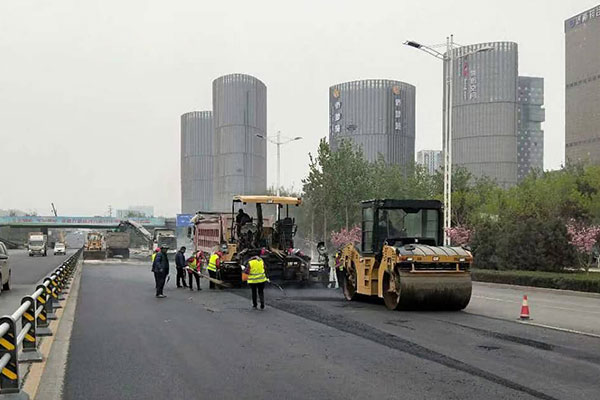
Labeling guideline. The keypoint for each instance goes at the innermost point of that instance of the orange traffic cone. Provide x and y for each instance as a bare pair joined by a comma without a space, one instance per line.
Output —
525,308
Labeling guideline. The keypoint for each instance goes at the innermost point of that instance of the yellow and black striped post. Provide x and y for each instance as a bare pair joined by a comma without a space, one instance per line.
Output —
30,351
9,376
42,322
49,300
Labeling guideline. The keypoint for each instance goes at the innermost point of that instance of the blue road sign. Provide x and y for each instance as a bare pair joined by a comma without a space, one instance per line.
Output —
184,220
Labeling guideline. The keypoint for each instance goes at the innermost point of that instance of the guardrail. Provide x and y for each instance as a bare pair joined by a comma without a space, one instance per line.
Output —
31,320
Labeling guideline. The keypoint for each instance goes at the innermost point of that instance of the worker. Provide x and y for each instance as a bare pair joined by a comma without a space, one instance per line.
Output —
240,219
339,268
255,269
194,271
156,251
214,263
160,267
180,264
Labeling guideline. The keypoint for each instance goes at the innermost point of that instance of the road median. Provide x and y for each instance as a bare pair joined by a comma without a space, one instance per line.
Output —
576,281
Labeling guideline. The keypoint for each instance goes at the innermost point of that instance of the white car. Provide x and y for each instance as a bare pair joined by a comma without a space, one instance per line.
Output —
4,268
60,248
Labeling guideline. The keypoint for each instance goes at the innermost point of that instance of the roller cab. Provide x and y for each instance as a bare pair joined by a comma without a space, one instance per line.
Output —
401,259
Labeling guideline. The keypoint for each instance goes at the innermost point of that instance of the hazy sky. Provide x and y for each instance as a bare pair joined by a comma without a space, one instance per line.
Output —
91,91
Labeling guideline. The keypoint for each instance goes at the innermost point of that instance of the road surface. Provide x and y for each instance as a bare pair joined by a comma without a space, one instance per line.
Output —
27,272
307,344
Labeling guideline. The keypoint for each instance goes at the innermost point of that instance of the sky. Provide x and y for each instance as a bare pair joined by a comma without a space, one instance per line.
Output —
91,91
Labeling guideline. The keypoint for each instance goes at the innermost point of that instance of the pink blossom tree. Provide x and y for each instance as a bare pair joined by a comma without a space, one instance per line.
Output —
583,238
346,236
459,235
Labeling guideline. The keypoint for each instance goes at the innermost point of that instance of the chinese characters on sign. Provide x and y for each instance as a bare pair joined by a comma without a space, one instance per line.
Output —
469,83
584,17
398,109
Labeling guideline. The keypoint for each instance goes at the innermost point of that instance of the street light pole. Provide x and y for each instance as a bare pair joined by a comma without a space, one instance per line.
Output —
277,140
447,122
278,162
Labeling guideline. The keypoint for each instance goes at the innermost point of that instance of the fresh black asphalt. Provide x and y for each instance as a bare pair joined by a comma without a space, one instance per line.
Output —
307,344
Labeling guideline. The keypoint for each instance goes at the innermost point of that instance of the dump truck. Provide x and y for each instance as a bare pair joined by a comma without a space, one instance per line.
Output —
117,244
95,246
401,258
37,244
166,237
241,240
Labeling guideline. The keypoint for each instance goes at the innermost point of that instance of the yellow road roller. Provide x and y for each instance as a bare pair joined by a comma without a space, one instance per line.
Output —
402,260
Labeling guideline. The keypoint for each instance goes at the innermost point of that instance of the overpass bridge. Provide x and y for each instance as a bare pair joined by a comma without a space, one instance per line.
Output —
75,222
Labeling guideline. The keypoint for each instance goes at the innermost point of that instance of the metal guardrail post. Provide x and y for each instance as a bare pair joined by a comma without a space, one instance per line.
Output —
30,351
49,300
42,323
9,377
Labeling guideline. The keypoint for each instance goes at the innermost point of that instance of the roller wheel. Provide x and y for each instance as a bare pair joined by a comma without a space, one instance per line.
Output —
350,283
391,291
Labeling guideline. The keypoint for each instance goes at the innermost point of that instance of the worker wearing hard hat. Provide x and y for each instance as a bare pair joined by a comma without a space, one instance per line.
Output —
339,268
255,270
214,263
193,271
160,267
156,251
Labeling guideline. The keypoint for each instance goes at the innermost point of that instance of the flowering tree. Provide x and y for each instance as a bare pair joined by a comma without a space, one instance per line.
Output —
344,236
583,238
459,235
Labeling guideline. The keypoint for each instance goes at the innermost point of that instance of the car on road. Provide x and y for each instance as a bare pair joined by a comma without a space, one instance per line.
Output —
60,248
5,271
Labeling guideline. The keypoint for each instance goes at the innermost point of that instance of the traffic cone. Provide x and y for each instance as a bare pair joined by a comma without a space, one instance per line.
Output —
524,308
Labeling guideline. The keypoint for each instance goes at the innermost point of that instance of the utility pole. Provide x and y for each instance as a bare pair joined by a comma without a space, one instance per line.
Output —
277,140
448,59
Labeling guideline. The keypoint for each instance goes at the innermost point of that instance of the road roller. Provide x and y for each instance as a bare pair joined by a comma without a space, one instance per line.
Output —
402,259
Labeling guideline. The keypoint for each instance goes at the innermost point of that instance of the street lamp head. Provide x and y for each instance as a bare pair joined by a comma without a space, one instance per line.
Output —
297,138
260,136
413,44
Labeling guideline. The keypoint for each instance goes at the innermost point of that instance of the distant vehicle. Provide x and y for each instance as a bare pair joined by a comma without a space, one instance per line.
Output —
60,248
117,244
37,244
5,271
165,237
95,246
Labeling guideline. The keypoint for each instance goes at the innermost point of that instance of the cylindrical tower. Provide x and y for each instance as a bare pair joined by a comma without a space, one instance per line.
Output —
377,115
484,110
196,161
240,114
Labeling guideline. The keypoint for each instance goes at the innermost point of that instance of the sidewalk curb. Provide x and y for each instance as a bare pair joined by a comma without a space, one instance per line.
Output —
45,380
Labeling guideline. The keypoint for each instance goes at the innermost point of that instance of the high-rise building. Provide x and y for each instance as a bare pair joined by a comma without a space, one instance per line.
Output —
484,111
197,158
376,114
582,47
431,160
531,114
239,118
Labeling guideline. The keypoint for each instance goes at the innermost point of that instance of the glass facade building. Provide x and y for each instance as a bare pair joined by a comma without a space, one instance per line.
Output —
484,110
377,115
530,138
582,107
196,161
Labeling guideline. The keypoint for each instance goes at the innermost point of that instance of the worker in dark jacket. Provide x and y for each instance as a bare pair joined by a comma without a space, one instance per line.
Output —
180,265
160,267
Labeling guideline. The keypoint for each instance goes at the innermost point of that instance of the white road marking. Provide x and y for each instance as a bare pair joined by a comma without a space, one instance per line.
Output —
557,328
538,302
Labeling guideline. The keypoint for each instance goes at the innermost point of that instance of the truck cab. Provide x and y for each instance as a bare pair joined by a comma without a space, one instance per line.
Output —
37,244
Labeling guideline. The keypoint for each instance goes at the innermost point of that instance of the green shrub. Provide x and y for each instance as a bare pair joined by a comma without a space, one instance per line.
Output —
582,281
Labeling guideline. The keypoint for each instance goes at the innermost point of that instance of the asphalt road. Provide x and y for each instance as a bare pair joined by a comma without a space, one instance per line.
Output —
556,308
307,344
26,273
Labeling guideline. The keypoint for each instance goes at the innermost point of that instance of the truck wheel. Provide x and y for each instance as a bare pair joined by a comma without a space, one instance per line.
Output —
391,291
6,286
